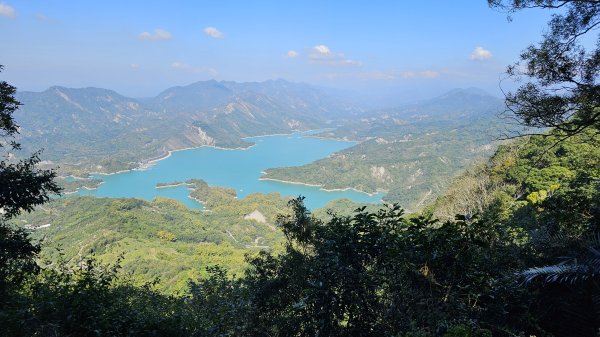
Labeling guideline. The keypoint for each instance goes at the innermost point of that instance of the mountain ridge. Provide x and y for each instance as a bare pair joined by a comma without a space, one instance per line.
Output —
96,129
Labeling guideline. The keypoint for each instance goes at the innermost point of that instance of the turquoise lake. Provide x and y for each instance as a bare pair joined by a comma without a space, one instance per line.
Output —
237,169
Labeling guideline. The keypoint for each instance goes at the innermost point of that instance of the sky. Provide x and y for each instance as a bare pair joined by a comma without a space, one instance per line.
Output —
394,48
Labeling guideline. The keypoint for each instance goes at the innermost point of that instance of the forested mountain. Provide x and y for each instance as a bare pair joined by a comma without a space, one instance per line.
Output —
92,129
456,107
163,238
408,152
411,153
529,206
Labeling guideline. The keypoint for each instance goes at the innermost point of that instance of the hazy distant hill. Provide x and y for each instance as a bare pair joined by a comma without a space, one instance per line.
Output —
308,100
298,98
92,129
457,103
410,152
229,110
195,97
455,107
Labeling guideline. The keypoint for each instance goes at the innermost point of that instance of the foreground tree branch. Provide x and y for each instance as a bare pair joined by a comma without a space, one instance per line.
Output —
559,75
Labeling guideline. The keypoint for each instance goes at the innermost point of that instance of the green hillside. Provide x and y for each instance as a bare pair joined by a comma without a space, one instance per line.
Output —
159,239
410,153
533,204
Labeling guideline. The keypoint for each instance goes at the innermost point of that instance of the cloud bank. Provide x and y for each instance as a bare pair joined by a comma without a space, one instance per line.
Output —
321,54
6,10
159,35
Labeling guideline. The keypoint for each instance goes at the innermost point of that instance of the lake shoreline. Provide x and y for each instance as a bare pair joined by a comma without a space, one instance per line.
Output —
194,164
336,139
147,163
320,186
171,185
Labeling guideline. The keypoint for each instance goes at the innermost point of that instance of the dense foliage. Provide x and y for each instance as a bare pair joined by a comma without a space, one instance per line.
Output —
552,194
159,239
369,274
22,187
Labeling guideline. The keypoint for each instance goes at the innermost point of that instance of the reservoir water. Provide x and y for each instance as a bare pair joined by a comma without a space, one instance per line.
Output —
237,169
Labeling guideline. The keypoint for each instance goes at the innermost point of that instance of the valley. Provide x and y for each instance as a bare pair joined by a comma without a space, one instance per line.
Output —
142,184
237,169
300,168
161,238
406,154
410,153
98,130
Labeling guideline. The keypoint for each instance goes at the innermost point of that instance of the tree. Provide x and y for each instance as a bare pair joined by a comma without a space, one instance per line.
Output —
381,274
22,186
561,86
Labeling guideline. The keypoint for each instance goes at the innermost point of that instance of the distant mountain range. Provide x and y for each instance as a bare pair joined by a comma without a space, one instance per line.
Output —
453,105
456,107
93,129
410,152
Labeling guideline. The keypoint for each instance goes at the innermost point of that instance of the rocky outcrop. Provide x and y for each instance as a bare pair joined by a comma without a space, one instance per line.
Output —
257,216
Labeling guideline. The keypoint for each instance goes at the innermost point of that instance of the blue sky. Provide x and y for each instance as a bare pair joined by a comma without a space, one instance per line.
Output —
142,47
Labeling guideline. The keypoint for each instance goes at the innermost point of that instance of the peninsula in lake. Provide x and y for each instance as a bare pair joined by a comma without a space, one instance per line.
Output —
405,154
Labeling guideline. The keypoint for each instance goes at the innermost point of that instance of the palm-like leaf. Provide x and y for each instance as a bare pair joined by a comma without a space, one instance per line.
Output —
571,270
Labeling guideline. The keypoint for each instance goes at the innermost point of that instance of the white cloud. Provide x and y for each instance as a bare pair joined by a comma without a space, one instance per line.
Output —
197,70
6,10
159,35
480,54
213,32
322,49
134,66
291,54
321,54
